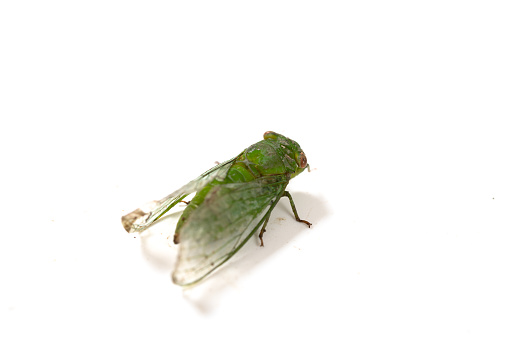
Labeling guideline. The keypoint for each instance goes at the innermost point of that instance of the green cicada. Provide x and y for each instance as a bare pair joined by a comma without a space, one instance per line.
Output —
233,200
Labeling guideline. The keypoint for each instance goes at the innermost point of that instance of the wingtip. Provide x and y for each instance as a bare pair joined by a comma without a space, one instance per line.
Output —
128,220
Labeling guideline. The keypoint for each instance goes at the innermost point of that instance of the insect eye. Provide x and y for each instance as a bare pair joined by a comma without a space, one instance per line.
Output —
303,161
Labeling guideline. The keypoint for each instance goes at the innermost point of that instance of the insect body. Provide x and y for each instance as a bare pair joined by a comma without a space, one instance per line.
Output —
233,200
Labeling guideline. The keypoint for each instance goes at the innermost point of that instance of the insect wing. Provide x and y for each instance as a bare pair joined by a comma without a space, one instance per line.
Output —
223,223
143,217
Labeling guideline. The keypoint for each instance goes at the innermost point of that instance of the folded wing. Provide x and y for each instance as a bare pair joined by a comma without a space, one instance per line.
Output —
143,217
223,223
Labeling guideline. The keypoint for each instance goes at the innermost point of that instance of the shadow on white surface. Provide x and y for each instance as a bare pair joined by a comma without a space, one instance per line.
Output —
156,243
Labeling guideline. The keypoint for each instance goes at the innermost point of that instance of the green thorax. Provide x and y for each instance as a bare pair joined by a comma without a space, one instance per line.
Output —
266,157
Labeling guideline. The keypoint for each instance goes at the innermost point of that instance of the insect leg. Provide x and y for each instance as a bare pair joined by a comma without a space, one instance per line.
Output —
263,229
287,194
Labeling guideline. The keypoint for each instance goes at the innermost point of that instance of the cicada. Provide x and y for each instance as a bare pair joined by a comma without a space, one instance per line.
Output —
232,201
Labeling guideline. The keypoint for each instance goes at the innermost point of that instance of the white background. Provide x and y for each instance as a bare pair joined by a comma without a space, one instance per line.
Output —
400,106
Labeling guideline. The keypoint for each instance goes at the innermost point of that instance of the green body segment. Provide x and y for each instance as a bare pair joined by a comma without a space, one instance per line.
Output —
269,157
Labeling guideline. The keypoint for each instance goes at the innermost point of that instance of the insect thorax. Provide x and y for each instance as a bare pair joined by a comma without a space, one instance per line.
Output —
261,159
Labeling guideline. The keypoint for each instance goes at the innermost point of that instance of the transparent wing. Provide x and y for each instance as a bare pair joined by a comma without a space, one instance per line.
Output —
223,223
143,217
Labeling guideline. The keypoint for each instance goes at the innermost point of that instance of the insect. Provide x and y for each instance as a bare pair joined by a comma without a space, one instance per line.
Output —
232,201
